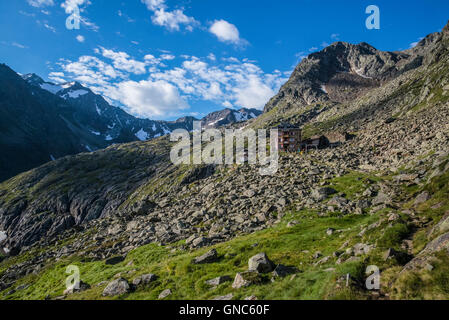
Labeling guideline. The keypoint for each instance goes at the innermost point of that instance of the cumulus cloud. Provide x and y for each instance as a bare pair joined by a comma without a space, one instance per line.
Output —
70,5
254,94
153,5
172,20
168,91
226,32
91,71
149,98
58,77
40,3
122,61
166,56
234,83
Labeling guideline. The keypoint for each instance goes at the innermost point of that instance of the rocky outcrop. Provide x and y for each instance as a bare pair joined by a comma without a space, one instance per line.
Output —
208,257
343,72
117,287
260,263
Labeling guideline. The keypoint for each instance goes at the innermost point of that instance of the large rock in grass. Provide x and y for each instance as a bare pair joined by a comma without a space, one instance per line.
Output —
283,271
117,287
226,297
245,279
422,197
381,198
144,279
260,263
164,294
441,226
218,280
82,286
208,257
322,193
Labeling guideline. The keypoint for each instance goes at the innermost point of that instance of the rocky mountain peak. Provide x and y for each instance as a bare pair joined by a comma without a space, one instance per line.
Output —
343,71
446,28
33,78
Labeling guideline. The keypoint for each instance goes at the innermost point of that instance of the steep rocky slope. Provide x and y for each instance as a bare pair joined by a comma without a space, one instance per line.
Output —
380,199
344,71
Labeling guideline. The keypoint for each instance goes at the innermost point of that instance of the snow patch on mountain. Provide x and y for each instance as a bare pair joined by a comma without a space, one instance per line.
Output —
360,73
166,130
75,94
2,236
98,109
142,135
214,122
50,87
243,116
68,85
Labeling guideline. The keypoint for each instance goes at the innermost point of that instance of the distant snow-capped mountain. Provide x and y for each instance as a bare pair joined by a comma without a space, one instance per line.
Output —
229,116
42,121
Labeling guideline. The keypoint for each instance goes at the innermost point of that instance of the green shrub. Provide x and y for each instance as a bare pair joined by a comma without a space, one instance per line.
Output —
393,236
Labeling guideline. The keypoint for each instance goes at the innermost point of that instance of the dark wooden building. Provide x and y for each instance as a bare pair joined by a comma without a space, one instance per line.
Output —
289,138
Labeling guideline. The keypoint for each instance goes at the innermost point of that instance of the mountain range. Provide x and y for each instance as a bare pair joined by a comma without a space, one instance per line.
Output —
43,121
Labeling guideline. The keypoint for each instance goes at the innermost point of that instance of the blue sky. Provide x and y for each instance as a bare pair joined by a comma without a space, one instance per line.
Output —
162,59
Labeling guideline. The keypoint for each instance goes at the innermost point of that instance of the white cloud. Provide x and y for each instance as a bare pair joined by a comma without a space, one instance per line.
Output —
49,27
89,24
80,38
40,3
122,61
212,57
227,104
335,36
167,57
128,18
19,45
234,83
254,94
27,14
149,98
226,32
414,44
172,20
153,5
70,5
91,71
58,77
167,92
